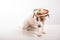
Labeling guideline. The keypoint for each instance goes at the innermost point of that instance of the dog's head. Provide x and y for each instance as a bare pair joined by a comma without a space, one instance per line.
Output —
40,14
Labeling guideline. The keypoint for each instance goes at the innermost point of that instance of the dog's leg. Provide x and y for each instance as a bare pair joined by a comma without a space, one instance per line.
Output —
39,32
42,29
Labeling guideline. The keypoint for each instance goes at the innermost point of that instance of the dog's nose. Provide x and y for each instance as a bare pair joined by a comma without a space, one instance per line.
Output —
39,25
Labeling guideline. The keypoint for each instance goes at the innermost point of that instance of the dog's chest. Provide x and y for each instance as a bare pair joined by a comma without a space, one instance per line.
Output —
33,21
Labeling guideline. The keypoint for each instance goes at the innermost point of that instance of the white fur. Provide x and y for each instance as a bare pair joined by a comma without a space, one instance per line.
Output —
32,21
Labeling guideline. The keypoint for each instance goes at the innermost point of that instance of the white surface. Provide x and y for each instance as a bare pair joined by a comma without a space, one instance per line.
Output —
16,33
14,12
16,9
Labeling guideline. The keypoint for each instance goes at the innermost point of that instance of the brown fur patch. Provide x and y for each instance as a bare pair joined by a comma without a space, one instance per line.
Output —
37,18
42,19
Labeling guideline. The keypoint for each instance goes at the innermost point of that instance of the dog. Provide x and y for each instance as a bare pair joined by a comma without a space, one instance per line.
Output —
36,21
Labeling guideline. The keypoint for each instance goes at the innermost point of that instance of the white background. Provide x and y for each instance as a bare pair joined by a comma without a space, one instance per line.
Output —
14,12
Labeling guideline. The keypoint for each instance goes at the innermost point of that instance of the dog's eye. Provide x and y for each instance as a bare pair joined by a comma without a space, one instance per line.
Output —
41,19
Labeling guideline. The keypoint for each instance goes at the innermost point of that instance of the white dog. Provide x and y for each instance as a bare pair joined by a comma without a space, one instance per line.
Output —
36,22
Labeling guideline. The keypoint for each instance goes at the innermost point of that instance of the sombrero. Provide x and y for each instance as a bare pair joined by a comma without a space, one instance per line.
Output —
42,12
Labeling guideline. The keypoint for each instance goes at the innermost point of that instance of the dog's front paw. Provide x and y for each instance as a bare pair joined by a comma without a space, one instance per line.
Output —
43,33
39,35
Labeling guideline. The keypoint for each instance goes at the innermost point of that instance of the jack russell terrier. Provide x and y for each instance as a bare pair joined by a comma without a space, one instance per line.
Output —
36,22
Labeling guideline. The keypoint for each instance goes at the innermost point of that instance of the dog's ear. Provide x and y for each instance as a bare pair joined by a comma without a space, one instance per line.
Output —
48,13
